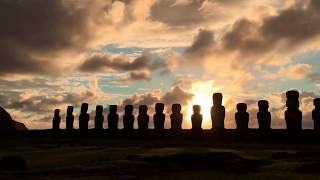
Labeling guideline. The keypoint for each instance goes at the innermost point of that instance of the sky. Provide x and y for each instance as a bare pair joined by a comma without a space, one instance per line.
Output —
56,53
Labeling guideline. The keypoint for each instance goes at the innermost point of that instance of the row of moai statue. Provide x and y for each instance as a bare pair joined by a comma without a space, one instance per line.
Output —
293,116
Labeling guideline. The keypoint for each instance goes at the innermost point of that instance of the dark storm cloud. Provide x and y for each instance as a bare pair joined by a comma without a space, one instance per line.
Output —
34,31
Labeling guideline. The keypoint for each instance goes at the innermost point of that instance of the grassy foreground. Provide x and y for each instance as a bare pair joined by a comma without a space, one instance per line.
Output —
50,157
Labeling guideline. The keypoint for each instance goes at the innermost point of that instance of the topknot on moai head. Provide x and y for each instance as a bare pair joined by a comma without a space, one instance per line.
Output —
159,107
143,109
176,108
99,109
292,94
242,107
128,109
84,107
316,103
56,112
113,109
217,98
70,110
196,109
263,105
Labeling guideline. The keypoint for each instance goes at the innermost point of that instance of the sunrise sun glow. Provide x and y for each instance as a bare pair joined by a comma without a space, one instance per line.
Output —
202,96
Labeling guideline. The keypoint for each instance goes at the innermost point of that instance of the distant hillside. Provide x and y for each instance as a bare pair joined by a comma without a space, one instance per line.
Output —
7,123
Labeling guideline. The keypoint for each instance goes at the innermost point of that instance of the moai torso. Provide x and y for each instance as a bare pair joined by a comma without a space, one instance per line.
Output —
69,118
264,116
242,117
128,118
159,117
316,114
56,120
176,117
99,118
84,117
293,115
217,117
143,117
217,112
113,117
196,118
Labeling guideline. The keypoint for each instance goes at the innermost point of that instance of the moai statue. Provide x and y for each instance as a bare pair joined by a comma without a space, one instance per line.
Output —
99,118
242,117
113,117
264,116
143,117
316,113
84,117
293,115
56,120
69,118
159,117
217,112
176,117
128,118
196,118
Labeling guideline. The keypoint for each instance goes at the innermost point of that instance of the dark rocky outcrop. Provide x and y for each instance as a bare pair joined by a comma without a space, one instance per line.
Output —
7,123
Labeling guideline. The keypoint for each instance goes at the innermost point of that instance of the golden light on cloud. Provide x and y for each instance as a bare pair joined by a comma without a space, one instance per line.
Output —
202,92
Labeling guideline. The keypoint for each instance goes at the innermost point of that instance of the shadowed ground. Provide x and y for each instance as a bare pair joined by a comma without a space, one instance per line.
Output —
158,155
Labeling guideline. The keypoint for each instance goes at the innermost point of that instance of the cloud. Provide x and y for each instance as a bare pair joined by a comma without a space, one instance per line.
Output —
293,72
100,63
142,75
35,33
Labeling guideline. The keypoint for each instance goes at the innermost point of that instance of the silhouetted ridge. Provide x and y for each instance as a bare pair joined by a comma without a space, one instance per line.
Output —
7,123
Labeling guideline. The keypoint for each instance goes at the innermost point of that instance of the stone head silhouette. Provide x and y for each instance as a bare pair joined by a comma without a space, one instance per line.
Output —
143,109
292,94
84,108
316,103
159,107
128,109
196,109
113,109
263,105
176,108
69,110
242,107
99,109
56,112
217,99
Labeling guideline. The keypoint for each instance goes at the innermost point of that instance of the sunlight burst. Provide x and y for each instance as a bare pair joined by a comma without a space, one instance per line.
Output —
202,96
